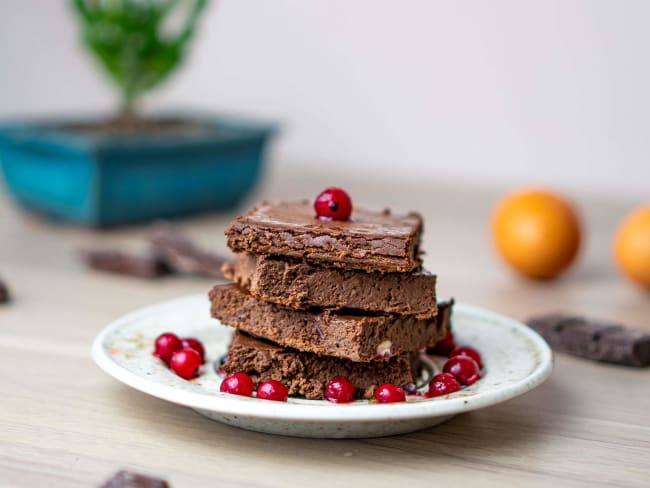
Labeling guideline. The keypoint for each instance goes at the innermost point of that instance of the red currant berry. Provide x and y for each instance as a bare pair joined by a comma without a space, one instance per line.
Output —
444,346
167,344
272,390
389,393
469,352
238,384
463,368
339,390
192,343
185,363
473,379
442,384
333,204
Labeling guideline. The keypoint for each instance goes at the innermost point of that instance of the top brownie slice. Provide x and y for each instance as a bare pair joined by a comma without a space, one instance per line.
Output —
371,241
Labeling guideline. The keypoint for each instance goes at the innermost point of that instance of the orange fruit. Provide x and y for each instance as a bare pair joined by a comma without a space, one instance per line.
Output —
537,232
632,247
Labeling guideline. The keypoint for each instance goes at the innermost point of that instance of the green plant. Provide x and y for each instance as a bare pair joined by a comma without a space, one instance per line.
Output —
135,40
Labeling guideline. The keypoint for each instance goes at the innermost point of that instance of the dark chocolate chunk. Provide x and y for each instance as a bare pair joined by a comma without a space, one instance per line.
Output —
591,339
4,293
184,256
445,310
128,479
140,266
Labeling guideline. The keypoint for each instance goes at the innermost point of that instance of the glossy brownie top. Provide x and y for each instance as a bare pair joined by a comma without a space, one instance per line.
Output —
373,241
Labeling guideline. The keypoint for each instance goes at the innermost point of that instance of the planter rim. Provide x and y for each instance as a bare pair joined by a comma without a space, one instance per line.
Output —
222,129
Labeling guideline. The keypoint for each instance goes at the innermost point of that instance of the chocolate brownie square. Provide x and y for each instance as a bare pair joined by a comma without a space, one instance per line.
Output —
306,374
371,241
353,337
301,285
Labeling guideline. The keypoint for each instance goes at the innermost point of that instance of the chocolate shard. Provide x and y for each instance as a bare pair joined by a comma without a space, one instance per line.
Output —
139,266
592,339
4,293
129,479
445,309
183,255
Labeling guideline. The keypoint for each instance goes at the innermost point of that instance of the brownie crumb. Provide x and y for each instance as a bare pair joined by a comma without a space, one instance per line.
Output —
319,331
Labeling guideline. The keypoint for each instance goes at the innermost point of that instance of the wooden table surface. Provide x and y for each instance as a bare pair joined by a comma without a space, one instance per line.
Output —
63,422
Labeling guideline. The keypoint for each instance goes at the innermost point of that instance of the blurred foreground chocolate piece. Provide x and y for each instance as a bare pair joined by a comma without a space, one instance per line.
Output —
4,293
591,339
128,479
182,255
140,266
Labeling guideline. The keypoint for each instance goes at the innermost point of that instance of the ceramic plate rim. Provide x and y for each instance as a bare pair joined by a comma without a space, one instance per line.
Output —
322,411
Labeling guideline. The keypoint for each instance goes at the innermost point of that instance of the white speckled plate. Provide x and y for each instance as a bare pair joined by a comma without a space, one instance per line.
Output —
516,360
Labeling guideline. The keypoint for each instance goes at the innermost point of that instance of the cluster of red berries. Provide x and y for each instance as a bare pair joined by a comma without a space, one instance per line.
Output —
463,368
183,356
341,390
338,390
242,384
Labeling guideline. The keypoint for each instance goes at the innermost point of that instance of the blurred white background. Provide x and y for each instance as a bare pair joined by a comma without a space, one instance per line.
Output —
552,92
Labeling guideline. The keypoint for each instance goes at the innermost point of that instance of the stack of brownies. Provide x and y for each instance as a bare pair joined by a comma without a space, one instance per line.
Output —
315,299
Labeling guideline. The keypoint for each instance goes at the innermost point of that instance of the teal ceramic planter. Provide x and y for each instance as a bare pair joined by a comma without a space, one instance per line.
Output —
103,180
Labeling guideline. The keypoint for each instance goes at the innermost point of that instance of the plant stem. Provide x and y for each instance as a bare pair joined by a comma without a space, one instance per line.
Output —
128,109
126,114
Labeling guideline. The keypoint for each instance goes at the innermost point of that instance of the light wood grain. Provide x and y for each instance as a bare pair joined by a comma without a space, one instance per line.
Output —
65,423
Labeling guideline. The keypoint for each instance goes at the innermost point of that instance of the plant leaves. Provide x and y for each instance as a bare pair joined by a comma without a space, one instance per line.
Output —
127,38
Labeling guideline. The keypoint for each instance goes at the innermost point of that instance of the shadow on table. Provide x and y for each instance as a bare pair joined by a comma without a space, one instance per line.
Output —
497,435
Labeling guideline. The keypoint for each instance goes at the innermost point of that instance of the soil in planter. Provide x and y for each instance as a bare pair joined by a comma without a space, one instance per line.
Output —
137,126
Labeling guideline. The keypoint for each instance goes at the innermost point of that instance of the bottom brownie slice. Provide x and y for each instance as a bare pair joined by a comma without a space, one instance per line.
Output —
306,374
